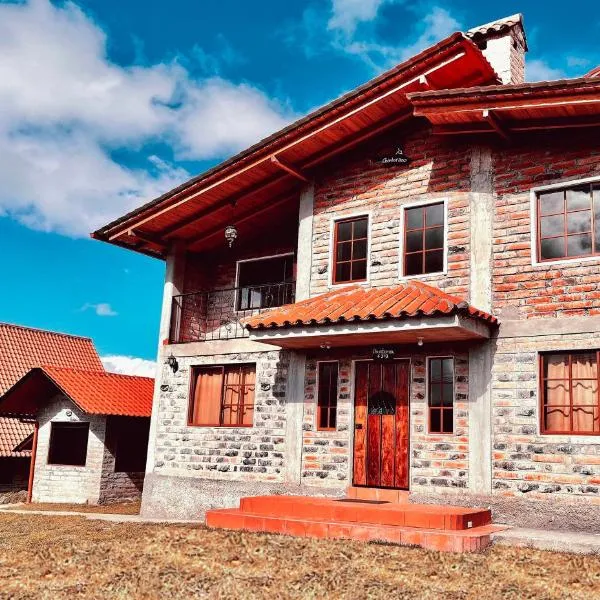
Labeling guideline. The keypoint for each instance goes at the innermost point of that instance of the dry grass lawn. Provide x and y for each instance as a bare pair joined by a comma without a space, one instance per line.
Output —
72,557
123,508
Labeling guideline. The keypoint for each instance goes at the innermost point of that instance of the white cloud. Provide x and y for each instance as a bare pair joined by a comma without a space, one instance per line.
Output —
347,14
66,108
129,365
540,70
102,309
344,35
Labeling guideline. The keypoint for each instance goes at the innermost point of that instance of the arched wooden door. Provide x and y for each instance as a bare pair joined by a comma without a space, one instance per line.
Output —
381,424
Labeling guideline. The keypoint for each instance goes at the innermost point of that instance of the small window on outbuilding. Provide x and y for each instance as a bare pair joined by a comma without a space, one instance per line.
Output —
68,444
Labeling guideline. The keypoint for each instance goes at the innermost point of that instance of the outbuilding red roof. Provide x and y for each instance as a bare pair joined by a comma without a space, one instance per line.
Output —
94,392
357,303
23,348
13,432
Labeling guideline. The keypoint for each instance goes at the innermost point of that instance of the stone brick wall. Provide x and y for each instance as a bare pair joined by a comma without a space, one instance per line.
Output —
438,463
520,289
58,483
439,170
525,462
227,453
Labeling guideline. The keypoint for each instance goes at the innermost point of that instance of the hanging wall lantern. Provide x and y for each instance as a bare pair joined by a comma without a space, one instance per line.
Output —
231,234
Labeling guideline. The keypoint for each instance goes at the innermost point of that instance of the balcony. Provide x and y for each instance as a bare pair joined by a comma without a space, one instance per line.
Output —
216,315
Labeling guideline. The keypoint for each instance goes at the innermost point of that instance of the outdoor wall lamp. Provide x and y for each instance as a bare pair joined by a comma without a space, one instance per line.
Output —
172,362
419,341
326,346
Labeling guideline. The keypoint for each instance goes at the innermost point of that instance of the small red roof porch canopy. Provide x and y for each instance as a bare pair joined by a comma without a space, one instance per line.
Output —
93,392
511,109
357,315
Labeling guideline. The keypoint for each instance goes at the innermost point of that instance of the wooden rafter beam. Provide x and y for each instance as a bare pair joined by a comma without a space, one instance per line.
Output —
185,196
242,218
147,237
496,124
289,169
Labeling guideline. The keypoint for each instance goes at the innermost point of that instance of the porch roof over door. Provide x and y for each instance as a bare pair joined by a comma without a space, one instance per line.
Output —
356,315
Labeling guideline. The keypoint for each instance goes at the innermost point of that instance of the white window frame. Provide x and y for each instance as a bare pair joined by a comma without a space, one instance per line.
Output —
533,218
428,359
332,224
418,204
246,260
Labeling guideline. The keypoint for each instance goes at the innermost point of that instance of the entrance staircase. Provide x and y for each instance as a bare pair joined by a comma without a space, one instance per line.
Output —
366,515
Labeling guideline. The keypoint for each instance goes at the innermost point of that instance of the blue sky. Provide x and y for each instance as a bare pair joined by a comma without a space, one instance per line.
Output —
107,103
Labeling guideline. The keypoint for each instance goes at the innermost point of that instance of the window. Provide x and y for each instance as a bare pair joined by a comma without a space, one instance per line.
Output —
441,395
327,395
130,435
569,394
350,245
265,282
222,396
568,222
68,444
424,239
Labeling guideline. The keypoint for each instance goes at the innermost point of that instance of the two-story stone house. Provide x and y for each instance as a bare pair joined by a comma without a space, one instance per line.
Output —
400,290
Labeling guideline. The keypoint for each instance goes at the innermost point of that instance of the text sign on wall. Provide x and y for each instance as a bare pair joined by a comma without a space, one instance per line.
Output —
390,159
381,354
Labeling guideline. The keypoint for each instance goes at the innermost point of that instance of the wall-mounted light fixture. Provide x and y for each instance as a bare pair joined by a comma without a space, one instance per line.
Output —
419,341
326,346
172,362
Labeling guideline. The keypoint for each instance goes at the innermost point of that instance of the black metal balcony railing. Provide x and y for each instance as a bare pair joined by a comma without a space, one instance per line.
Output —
216,314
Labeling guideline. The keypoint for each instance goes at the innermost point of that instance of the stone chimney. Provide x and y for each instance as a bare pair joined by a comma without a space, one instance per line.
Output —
504,44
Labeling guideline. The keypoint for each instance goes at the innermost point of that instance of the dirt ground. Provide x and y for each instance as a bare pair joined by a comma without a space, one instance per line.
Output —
43,557
124,508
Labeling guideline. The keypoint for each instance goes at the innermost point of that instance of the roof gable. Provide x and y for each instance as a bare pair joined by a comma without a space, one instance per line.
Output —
23,348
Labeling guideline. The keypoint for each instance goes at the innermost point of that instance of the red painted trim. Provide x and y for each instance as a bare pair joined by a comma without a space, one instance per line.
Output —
32,462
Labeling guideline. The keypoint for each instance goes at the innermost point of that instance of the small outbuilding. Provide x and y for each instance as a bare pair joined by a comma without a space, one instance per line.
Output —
90,436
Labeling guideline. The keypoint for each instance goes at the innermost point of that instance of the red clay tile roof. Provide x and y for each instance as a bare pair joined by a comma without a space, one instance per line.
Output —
357,303
14,432
23,348
105,393
94,392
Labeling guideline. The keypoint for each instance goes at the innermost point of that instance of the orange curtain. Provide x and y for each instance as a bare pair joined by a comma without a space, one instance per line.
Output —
247,391
206,408
585,393
558,412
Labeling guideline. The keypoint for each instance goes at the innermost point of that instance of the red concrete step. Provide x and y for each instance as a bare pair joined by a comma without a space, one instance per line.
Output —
428,516
471,540
386,494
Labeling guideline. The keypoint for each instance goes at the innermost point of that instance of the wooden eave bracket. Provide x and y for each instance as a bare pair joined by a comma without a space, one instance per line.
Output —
496,124
147,238
288,168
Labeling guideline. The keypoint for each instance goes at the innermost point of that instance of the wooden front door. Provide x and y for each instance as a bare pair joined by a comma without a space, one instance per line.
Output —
381,431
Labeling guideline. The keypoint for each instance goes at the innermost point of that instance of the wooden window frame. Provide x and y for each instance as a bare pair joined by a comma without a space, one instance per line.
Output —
441,408
542,390
330,406
54,425
564,188
334,261
405,230
223,368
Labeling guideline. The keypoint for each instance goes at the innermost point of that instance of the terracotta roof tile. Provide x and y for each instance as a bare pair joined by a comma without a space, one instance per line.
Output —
14,432
23,348
357,303
104,393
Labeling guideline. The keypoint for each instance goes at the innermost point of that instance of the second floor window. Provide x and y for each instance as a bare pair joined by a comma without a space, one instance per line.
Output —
568,222
350,246
222,396
265,282
424,239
